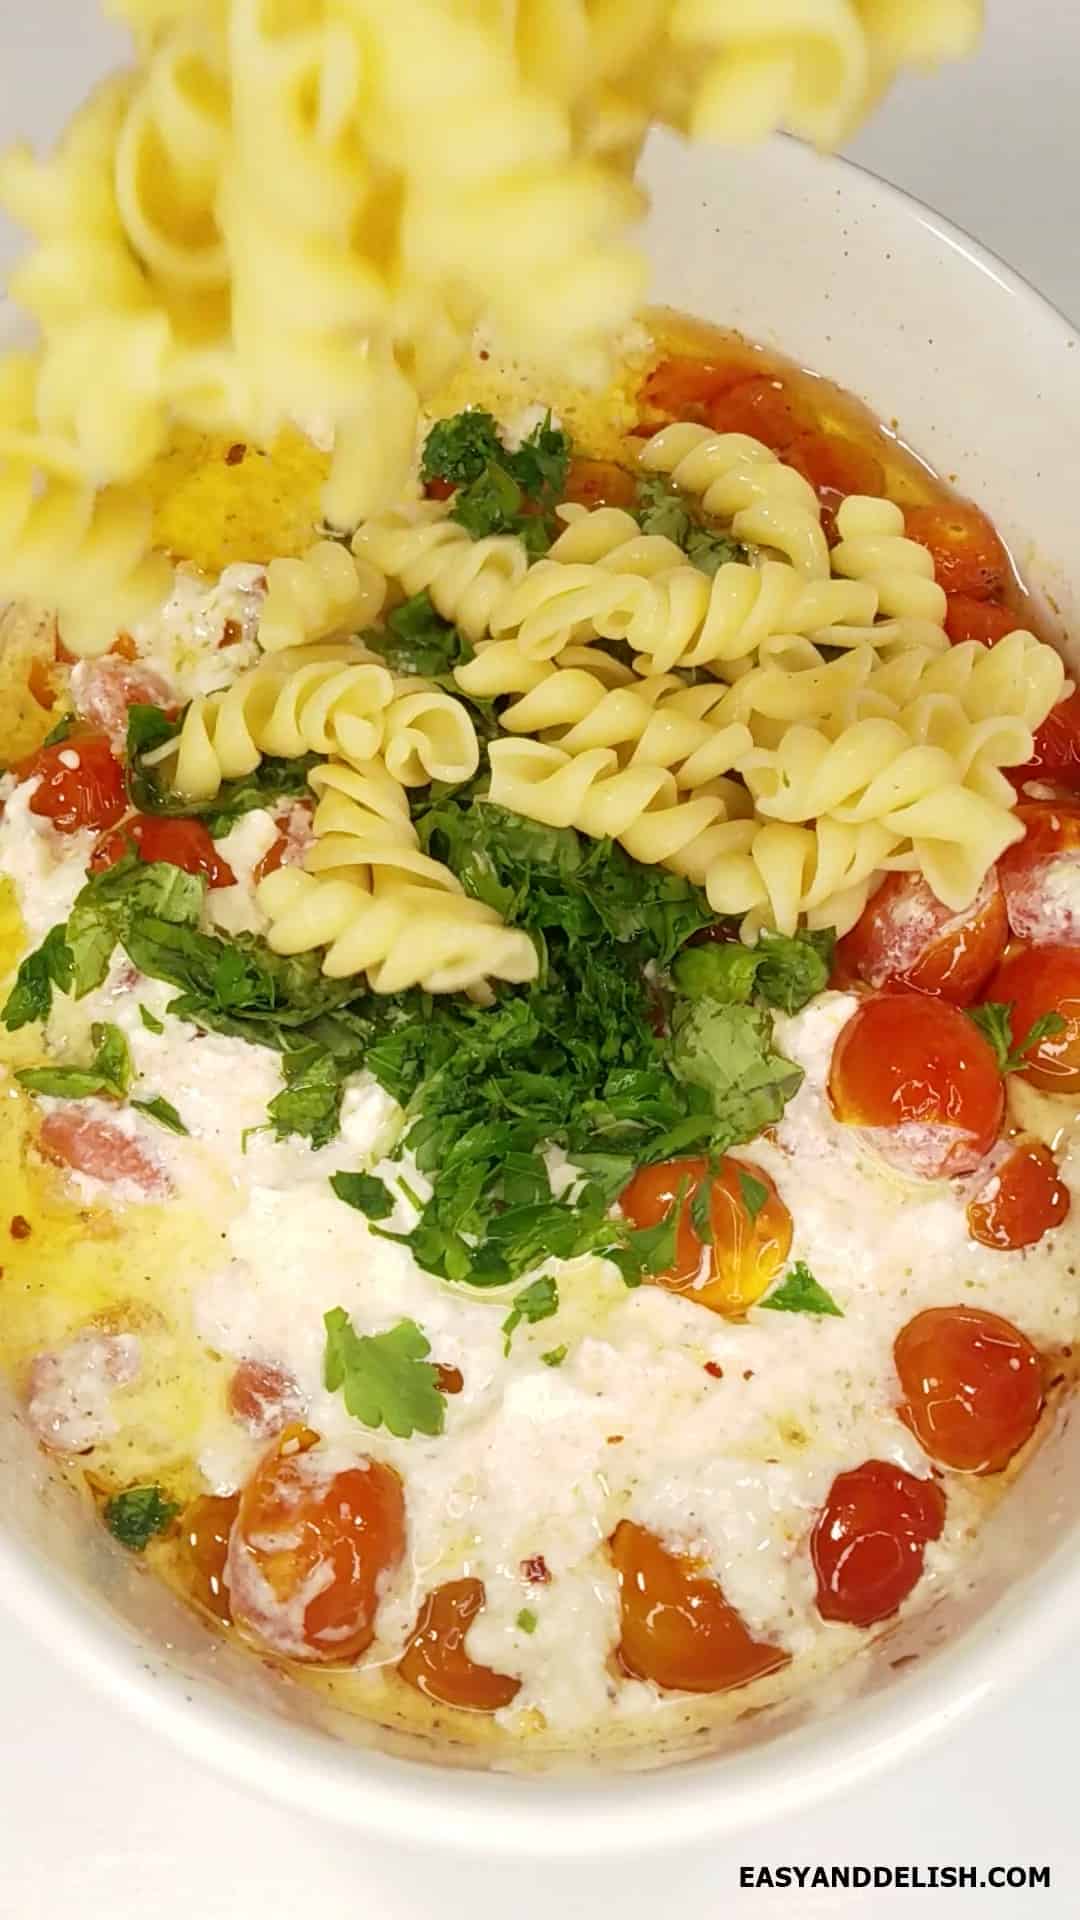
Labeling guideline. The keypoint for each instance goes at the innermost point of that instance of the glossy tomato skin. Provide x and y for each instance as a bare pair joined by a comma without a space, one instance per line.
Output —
204,1532
972,1387
1024,1199
1056,758
1040,874
1035,981
869,1541
70,1137
980,620
904,935
835,467
435,1661
82,783
918,1075
969,557
264,1399
751,1229
683,387
677,1628
180,843
599,483
311,1551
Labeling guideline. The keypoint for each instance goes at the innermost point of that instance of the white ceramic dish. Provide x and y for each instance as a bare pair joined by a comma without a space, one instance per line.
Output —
983,377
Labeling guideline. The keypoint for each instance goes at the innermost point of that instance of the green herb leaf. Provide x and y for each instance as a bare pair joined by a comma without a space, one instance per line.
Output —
60,732
115,903
150,1020
136,1516
149,727
782,971
50,965
526,1620
994,1021
109,1073
490,504
728,1052
555,1356
417,640
458,449
273,780
754,1193
310,1103
662,509
542,461
701,1212
645,1251
539,1301
799,1292
162,1111
364,1192
385,1378
723,970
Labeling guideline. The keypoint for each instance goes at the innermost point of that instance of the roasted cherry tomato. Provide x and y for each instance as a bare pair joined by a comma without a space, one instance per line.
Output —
751,1229
835,466
983,620
264,1398
204,1532
972,1386
73,1138
1023,1199
293,839
676,1627
869,1541
103,691
905,934
181,843
599,483
919,1075
1056,758
311,1552
765,407
82,783
41,684
1035,981
969,557
683,387
435,1661
1040,875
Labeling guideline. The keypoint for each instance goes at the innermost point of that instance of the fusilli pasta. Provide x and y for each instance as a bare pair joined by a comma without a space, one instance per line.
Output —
637,805
426,551
327,591
742,481
873,547
774,874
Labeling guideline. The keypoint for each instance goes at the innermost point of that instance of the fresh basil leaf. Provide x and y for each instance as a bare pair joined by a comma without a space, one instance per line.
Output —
150,1020
60,732
363,1191
163,1112
754,1193
994,1021
310,1102
50,965
109,1074
799,1292
385,1379
728,1052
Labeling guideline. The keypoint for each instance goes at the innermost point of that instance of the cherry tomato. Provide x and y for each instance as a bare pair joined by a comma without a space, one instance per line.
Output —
972,1386
677,1629
181,843
103,691
683,387
72,1138
264,1399
969,557
82,783
124,648
869,1541
40,682
439,489
205,1526
905,934
1040,875
1057,748
293,840
435,1661
1023,1199
766,407
311,1552
835,466
599,483
920,1075
969,619
751,1229
1035,981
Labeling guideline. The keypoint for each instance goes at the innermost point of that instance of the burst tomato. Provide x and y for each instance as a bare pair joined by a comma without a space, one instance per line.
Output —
969,557
1023,1200
920,1077
750,1225
435,1661
904,934
205,1527
311,1552
180,843
73,1138
1040,875
82,783
293,840
870,1539
103,690
676,1627
835,466
1057,748
599,483
264,1398
983,620
1035,981
683,387
972,1386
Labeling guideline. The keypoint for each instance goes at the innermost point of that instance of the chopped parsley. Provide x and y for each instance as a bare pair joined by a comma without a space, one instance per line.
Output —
527,1620
994,1021
534,1303
385,1379
364,1192
418,640
497,490
799,1292
150,1020
150,792
783,971
662,509
555,1356
109,1074
754,1193
136,1516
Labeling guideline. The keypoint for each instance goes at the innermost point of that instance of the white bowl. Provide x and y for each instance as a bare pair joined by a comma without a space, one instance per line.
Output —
984,378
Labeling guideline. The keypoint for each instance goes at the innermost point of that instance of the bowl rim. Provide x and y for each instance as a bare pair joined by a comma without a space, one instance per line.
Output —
577,1814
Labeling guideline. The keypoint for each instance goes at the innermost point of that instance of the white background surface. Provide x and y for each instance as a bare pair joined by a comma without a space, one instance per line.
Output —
101,1821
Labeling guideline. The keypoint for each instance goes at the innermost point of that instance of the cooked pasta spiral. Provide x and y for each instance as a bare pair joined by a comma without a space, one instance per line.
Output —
637,805
740,480
363,829
426,551
657,719
777,874
326,591
401,934
1019,677
874,547
428,736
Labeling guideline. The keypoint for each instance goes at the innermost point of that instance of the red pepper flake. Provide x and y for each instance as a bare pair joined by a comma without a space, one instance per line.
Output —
716,1371
20,1227
235,454
535,1570
231,632
749,1374
614,1439
448,1379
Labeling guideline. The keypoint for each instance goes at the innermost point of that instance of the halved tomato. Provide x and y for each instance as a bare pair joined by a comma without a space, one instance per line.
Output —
599,483
1040,875
435,1661
677,1627
1056,758
905,934
72,1137
180,843
1023,1199
920,1078
980,620
969,557
1036,981
82,783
